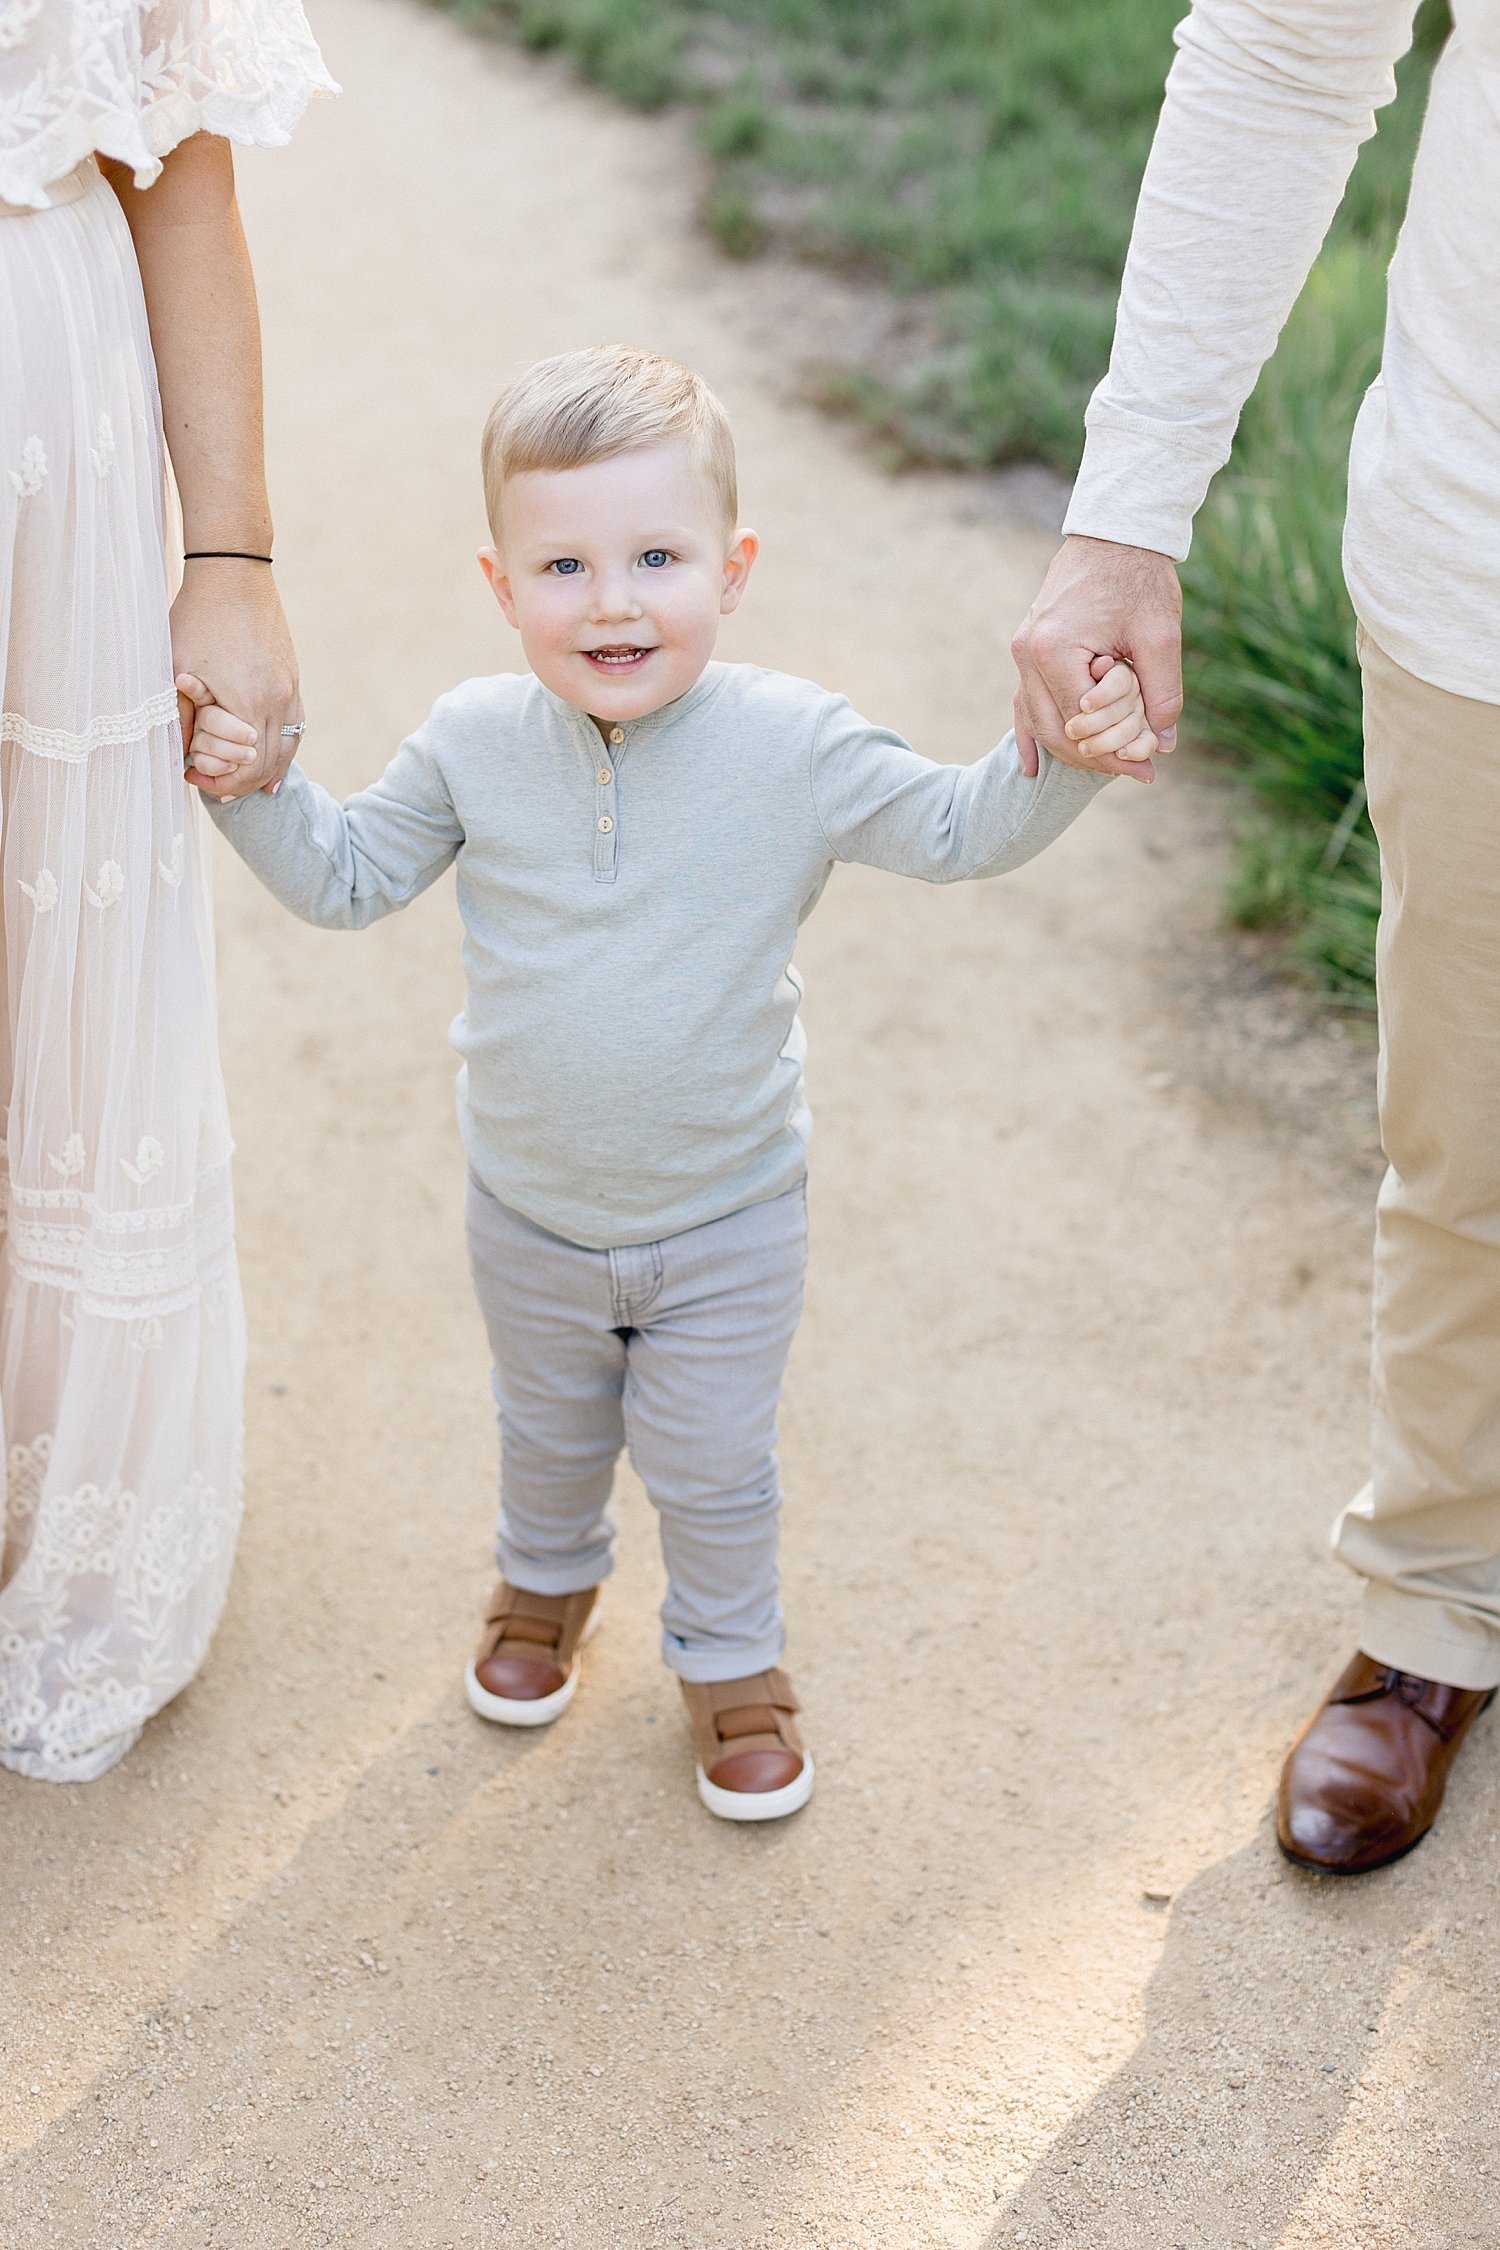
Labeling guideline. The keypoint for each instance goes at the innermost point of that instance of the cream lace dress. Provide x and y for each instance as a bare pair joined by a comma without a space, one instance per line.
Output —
121,1333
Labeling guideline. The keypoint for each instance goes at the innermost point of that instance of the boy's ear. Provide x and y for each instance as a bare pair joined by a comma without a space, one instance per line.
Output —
737,567
491,564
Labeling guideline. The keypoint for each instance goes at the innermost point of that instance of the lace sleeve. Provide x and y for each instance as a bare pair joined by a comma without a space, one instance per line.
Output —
132,78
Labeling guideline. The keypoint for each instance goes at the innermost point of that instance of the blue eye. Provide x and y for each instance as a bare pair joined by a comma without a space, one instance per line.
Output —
567,566
656,558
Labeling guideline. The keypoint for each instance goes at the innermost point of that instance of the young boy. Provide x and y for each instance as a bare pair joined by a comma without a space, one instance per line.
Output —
638,831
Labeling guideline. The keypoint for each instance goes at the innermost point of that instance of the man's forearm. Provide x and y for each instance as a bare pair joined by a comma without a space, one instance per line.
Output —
1266,108
205,335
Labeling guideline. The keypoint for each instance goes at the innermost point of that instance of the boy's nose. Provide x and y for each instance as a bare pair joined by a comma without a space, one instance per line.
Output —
615,599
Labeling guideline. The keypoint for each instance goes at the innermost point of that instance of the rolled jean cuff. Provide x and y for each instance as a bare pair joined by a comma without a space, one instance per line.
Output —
559,1578
701,1666
1429,1638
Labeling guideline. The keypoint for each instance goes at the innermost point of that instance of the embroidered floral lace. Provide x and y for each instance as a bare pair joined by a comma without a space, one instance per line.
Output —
131,80
121,1332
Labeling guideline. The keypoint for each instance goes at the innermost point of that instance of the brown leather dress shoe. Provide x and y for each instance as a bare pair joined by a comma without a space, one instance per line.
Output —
1364,1780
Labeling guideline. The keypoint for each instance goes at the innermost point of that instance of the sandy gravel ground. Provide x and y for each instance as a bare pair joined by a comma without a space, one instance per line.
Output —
327,1962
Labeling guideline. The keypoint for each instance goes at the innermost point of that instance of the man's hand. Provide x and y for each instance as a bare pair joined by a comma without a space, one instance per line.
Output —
1099,600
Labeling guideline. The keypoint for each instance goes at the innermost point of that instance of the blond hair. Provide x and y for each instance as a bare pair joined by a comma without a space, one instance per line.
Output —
579,407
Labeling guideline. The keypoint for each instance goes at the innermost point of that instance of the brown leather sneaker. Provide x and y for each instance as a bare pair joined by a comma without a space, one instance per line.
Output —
525,1668
751,1761
1364,1780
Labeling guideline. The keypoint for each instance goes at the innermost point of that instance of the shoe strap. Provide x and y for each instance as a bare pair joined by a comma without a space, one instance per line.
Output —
758,1713
549,1623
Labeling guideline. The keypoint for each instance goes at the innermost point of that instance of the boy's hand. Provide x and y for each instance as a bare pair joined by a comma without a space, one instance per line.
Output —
222,745
1111,720
1098,596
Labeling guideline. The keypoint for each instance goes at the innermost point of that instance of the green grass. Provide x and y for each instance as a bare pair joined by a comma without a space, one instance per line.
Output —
1272,679
980,159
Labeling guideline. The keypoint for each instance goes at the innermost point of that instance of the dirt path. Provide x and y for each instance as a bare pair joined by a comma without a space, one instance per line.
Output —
326,1961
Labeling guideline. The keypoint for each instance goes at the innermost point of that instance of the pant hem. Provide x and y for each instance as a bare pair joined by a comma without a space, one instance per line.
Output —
702,1667
1399,1629
529,1579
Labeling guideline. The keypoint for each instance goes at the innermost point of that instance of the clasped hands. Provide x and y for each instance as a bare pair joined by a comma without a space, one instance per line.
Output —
236,679
1103,608
223,753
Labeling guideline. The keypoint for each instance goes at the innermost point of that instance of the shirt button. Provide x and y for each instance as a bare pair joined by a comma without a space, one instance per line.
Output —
617,734
605,824
605,776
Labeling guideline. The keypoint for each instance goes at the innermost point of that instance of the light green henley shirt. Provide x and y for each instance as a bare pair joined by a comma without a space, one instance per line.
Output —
632,1055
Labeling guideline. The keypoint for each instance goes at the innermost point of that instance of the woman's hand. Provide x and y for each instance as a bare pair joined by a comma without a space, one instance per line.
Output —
229,635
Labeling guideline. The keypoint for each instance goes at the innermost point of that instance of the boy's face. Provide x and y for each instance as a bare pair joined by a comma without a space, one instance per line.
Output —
616,575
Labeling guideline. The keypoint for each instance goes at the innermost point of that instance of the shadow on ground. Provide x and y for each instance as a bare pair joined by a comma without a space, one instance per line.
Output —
1290,2084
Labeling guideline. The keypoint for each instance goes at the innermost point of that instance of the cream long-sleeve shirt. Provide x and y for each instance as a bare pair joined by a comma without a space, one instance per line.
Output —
1266,106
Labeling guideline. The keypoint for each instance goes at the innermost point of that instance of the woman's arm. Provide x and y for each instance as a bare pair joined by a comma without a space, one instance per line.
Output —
227,622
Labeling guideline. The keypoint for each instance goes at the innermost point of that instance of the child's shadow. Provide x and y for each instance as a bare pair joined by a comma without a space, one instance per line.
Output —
1289,2086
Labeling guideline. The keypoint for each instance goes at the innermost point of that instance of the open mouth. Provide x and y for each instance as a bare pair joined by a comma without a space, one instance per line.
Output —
619,656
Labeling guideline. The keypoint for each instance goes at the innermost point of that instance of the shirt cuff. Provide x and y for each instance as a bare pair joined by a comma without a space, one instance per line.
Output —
1139,488
1070,788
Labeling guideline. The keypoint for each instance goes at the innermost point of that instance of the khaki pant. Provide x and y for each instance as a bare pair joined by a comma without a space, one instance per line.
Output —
1425,1532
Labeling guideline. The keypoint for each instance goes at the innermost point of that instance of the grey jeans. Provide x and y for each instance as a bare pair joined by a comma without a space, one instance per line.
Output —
673,1350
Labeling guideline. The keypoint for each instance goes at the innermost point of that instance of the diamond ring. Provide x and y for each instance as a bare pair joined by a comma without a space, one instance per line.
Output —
299,728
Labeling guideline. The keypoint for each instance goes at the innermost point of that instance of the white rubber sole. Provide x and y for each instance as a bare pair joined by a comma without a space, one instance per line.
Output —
757,1804
534,1710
